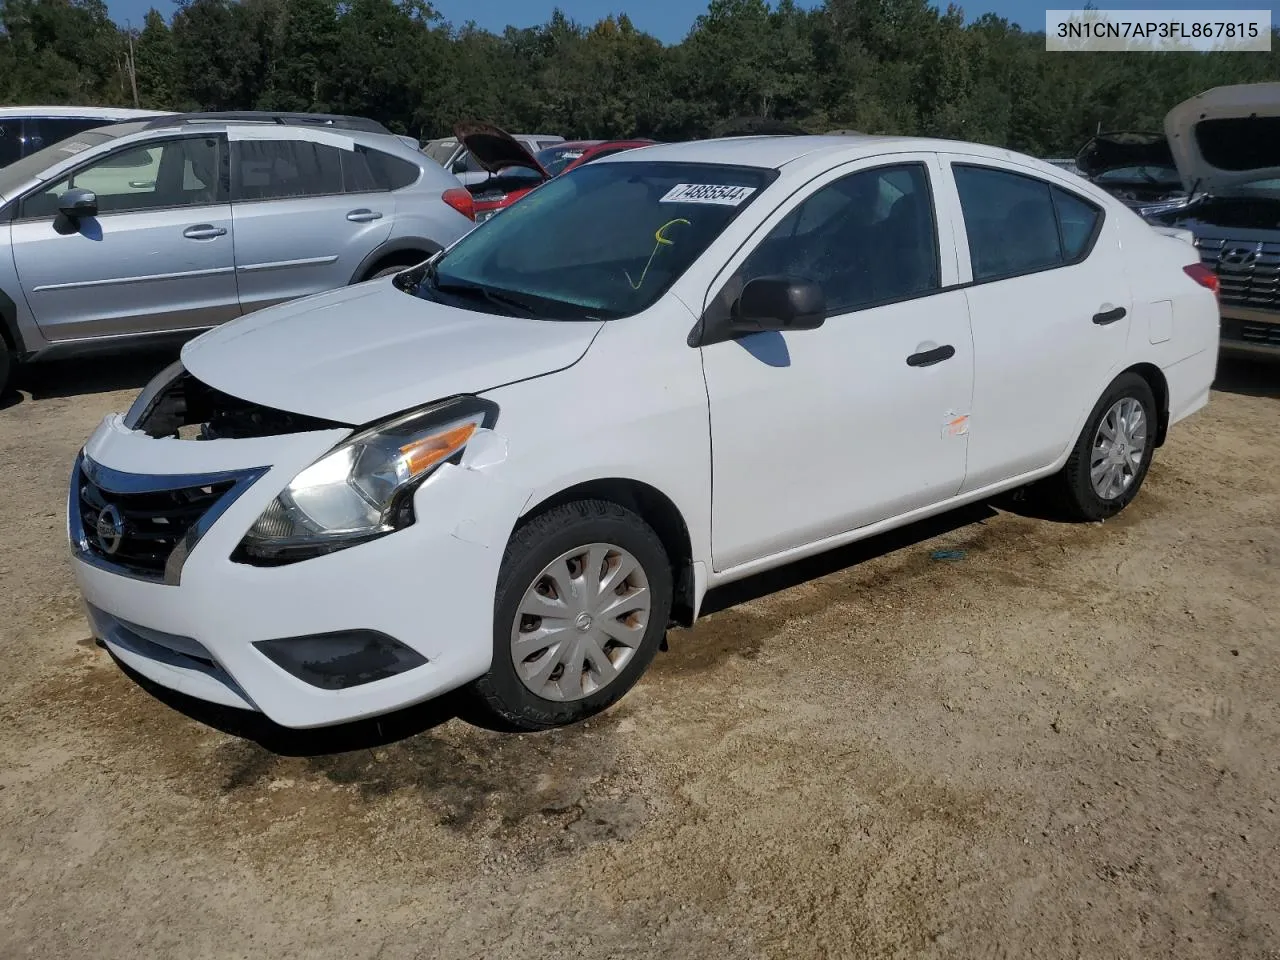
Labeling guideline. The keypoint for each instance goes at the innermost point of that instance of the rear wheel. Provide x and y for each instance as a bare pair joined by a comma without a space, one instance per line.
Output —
1112,454
583,598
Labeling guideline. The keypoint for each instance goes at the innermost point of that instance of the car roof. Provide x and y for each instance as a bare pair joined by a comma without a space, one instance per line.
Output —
775,152
89,113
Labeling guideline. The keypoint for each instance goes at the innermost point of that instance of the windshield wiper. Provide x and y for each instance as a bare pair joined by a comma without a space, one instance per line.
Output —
499,298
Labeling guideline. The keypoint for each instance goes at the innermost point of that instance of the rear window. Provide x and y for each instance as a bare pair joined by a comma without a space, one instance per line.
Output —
10,141
44,131
366,171
607,241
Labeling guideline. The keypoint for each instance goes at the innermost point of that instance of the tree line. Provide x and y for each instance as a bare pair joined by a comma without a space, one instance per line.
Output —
877,66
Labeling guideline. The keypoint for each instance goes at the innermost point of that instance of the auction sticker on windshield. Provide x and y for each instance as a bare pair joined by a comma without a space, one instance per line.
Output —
718,193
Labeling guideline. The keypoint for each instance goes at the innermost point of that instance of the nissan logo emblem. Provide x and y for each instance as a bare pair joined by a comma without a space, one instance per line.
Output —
110,529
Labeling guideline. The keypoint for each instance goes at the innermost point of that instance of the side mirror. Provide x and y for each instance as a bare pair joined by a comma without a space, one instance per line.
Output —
778,303
459,166
77,203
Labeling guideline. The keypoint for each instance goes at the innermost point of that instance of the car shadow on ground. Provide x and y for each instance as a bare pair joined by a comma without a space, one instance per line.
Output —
284,741
87,375
1248,377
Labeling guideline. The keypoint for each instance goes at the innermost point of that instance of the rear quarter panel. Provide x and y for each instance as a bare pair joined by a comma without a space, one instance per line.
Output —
1175,320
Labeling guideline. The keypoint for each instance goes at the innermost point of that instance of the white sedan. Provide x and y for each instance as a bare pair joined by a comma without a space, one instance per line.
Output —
513,467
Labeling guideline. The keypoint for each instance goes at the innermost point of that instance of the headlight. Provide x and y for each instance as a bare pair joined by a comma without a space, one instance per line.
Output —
363,488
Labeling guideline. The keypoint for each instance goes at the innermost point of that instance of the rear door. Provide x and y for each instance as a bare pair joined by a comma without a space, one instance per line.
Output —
157,257
306,213
1049,304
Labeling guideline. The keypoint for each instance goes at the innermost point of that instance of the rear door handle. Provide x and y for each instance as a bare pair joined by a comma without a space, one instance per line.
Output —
204,231
1109,316
928,358
364,215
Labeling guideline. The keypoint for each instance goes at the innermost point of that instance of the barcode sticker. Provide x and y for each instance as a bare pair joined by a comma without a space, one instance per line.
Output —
717,193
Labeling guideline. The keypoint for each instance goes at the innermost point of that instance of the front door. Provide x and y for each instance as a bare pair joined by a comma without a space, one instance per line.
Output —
305,212
816,433
156,258
1049,304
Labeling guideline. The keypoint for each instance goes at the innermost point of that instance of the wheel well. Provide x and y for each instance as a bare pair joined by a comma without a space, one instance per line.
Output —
396,258
9,324
1160,390
659,512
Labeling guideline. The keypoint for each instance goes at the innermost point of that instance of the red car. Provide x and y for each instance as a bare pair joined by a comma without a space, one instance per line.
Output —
515,171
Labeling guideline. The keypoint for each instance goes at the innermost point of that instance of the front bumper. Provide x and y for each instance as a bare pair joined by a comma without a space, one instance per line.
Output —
429,586
1248,332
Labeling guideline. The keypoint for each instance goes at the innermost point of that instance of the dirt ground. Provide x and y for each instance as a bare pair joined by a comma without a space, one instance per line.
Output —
1065,744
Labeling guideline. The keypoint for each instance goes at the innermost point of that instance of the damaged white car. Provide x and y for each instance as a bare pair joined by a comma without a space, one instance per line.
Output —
513,467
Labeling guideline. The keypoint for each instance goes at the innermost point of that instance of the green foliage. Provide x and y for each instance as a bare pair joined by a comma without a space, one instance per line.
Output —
879,66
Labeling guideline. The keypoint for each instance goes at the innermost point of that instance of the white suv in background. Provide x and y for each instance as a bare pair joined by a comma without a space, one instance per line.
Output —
24,130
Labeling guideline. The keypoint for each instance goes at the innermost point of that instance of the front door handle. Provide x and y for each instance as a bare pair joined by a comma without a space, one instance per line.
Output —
928,358
1109,316
364,215
204,231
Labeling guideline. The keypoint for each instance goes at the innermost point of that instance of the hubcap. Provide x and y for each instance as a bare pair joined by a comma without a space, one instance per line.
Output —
580,622
1118,448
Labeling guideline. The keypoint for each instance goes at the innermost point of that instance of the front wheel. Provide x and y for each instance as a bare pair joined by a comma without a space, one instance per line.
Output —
6,367
1112,454
582,603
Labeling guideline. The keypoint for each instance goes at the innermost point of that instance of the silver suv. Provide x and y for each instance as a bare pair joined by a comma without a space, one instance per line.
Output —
169,226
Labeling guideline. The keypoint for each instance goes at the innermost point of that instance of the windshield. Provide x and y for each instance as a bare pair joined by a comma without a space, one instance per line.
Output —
16,174
1149,174
555,159
605,240
440,150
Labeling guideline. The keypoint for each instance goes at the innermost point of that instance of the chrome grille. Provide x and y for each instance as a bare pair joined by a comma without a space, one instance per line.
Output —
149,524
1248,271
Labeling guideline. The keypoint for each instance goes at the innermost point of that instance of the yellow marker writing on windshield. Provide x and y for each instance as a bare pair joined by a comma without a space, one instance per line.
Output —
661,240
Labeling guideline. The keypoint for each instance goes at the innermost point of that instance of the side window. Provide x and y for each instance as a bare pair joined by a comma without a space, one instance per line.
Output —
867,238
276,169
169,173
1012,222
1078,220
10,141
366,171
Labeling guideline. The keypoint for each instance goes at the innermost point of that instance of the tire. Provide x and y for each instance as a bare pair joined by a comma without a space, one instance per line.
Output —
1073,490
536,691
7,365
395,266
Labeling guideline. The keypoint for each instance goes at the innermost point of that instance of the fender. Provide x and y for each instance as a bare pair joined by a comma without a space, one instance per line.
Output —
395,245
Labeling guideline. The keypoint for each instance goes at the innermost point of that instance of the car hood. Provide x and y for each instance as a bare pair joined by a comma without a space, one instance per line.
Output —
1114,151
365,352
1227,136
495,149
